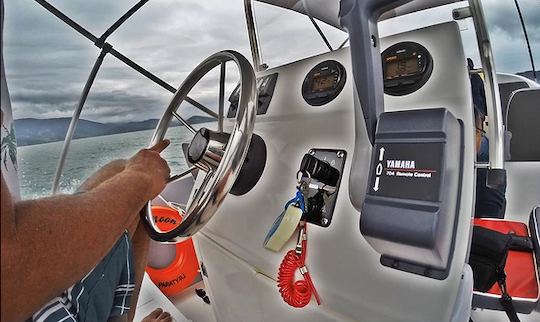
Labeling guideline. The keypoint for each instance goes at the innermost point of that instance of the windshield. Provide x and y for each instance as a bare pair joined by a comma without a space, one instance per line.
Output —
47,64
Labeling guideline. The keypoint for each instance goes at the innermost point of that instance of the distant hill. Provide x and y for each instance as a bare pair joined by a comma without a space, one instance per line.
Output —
31,131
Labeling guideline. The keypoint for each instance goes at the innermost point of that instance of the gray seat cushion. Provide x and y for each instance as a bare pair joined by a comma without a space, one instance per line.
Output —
523,121
505,92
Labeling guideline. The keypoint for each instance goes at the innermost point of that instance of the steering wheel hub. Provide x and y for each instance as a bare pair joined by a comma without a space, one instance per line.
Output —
207,148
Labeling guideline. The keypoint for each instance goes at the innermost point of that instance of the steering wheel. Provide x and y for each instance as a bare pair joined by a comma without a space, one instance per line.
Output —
218,155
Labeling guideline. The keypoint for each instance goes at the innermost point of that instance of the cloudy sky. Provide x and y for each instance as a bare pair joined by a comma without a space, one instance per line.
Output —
47,62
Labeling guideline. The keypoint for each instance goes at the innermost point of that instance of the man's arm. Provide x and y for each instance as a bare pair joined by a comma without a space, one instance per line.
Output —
103,174
49,244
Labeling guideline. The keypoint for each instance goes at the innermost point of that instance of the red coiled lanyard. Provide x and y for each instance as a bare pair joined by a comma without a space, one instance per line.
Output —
297,293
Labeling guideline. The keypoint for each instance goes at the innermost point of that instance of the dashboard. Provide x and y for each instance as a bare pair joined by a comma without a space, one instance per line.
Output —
313,106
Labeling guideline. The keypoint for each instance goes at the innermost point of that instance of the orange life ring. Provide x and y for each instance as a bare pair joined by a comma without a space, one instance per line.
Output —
184,268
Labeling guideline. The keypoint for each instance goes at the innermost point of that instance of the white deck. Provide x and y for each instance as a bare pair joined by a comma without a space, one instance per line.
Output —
184,307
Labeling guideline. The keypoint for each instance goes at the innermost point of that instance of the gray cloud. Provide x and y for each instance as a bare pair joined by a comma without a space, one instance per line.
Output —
47,62
503,18
506,34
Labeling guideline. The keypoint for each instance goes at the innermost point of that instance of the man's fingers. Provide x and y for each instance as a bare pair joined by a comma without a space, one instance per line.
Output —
156,313
165,317
160,146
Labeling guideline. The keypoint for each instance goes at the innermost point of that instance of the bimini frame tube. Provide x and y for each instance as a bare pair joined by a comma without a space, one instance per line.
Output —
496,176
75,118
535,77
253,36
107,48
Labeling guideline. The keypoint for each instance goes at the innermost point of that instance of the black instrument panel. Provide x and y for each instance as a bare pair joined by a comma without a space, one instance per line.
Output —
265,89
323,83
407,66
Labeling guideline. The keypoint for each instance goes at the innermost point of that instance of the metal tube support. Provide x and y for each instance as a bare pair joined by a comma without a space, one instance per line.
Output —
75,118
253,36
316,25
496,174
67,20
320,33
201,107
181,175
120,21
80,29
343,43
526,40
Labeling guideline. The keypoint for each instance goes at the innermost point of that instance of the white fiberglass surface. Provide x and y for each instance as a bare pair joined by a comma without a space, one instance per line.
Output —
151,298
345,269
523,189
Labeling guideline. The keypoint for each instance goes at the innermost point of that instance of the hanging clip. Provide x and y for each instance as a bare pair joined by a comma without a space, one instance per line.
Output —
301,237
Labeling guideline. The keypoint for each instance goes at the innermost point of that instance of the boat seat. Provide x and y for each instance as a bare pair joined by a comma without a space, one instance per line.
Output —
521,267
522,121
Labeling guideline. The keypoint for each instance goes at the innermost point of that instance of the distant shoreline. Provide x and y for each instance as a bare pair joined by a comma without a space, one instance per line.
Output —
19,145
30,131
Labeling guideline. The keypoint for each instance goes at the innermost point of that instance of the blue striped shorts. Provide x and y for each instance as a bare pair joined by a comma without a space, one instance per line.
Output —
103,293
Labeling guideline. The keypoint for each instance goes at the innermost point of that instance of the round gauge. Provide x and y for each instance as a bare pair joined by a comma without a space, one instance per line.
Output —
323,83
406,67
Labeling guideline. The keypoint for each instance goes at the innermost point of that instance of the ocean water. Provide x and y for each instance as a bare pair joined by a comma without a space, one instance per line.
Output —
37,163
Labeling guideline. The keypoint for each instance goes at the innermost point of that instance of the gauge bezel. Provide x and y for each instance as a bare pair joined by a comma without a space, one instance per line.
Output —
324,96
405,85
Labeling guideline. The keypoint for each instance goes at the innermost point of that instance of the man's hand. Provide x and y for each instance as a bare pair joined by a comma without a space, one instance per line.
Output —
148,164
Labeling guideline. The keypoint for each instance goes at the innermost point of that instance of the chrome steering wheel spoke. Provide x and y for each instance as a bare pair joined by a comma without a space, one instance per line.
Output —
171,204
182,175
221,105
184,122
